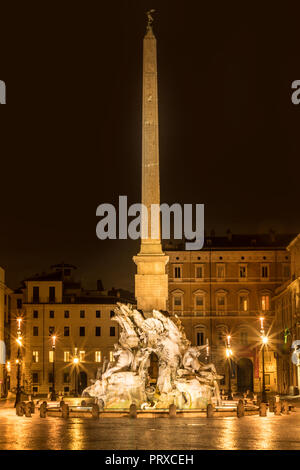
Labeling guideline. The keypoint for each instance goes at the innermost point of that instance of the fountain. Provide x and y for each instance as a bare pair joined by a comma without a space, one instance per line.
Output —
182,379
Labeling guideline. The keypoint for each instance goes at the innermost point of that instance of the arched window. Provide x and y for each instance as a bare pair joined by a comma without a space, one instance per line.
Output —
177,300
221,302
199,301
200,335
243,301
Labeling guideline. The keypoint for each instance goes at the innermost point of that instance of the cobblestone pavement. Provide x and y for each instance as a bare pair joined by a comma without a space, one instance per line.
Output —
250,432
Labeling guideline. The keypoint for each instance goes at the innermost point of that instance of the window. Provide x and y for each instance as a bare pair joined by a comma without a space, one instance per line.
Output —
35,377
98,331
177,272
199,301
200,338
243,271
66,356
111,356
35,294
66,378
51,356
97,356
265,270
244,338
221,303
82,331
66,389
67,314
112,331
51,330
66,331
35,331
243,303
112,314
82,313
19,303
98,313
81,356
35,356
199,272
265,302
67,272
50,378
51,314
35,314
51,294
220,271
177,300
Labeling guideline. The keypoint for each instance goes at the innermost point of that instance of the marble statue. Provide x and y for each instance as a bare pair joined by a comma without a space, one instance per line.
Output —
183,379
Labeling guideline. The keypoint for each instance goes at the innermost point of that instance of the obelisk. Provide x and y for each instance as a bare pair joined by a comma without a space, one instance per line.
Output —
151,280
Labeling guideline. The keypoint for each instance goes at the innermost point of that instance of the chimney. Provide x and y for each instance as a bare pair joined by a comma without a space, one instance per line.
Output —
272,235
229,234
99,285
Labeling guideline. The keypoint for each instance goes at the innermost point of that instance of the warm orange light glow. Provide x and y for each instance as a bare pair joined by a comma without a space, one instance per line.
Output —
261,322
19,340
17,361
19,321
8,366
75,360
53,340
264,339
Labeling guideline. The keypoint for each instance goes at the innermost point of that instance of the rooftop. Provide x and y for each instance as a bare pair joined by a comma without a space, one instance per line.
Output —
268,241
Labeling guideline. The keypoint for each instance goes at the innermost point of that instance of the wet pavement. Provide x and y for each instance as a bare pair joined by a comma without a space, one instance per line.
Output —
248,433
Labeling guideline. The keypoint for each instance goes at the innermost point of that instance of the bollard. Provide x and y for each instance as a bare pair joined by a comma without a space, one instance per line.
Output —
240,410
95,411
132,411
285,407
65,410
19,409
263,409
172,411
277,408
28,409
43,410
209,411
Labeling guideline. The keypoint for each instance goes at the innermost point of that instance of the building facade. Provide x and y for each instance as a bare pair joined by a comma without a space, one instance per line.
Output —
53,304
223,290
287,321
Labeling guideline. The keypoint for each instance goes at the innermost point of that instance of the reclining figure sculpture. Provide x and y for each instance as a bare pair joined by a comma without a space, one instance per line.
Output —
182,378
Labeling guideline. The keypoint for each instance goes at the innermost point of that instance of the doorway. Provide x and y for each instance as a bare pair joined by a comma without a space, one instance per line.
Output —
82,382
245,375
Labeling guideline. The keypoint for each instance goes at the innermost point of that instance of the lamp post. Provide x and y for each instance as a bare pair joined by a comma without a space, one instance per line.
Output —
53,394
228,355
264,340
18,360
75,362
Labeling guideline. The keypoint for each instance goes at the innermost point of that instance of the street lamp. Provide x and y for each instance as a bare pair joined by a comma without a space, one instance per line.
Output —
264,340
53,394
228,355
76,362
19,342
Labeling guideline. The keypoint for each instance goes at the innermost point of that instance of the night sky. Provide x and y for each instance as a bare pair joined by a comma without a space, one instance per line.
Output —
71,129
